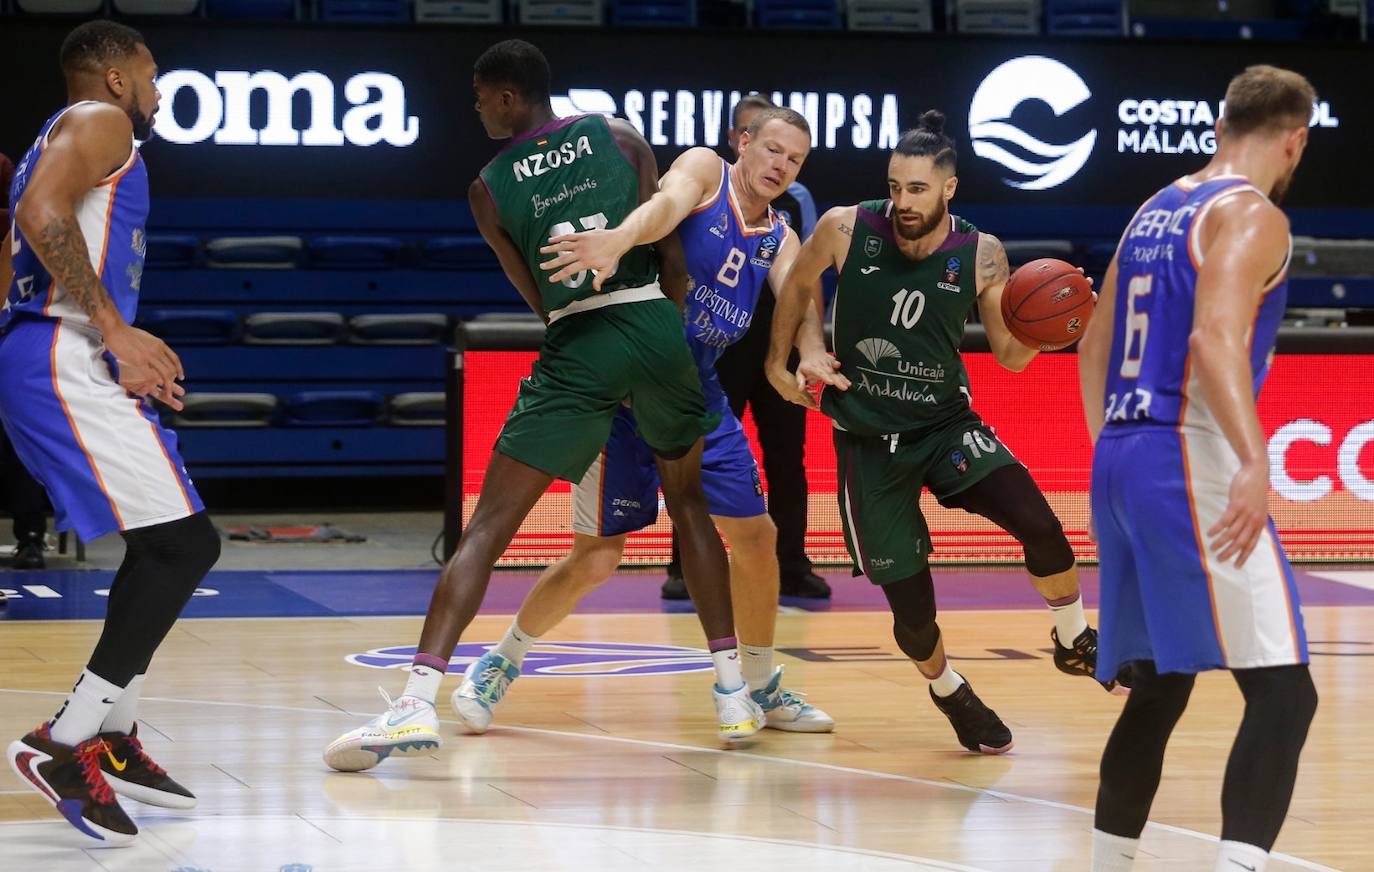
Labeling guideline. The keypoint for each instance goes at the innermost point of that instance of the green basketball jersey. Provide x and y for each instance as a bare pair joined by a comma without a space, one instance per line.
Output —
567,176
897,326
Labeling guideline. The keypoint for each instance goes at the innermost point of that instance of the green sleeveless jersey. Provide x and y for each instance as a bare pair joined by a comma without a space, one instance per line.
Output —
567,176
897,327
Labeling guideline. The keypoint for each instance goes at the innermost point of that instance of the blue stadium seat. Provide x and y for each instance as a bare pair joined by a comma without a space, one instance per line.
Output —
458,252
364,10
191,326
419,328
354,252
817,14
1023,251
460,11
171,251
62,7
653,13
157,7
997,16
1085,17
293,328
255,252
332,409
251,8
1219,29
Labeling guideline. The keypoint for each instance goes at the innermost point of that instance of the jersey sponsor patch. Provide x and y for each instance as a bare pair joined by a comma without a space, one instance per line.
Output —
768,249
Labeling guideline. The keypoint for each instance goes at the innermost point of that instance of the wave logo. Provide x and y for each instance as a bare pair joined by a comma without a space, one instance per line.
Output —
1032,77
583,101
560,659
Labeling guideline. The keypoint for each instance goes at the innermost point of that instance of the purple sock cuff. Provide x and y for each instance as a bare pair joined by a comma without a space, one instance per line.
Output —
1064,600
722,644
431,661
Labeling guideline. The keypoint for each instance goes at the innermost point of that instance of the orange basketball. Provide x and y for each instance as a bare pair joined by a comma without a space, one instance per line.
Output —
1047,304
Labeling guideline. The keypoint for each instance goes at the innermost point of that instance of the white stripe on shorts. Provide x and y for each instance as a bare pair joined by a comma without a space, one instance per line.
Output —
587,498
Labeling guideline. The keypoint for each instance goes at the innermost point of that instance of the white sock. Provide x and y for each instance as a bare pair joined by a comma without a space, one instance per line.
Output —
946,682
516,644
1240,857
1113,853
726,659
423,682
1069,621
125,710
757,665
85,710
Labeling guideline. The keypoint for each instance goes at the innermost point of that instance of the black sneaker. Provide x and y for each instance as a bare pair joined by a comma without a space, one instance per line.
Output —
675,587
71,780
1081,657
807,584
977,726
29,555
132,773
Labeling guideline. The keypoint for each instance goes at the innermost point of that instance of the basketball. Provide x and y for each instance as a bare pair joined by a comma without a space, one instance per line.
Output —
1047,304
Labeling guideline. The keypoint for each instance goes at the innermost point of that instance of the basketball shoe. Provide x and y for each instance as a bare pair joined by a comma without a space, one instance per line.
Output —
739,714
408,728
978,727
484,686
70,778
132,773
788,710
1080,658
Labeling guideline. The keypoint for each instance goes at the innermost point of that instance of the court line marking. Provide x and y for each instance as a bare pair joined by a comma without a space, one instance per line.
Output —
832,767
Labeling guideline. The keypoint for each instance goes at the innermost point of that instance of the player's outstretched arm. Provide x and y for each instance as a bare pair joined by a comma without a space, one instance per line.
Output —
795,321
1248,245
672,260
993,273
1094,352
89,143
507,252
691,180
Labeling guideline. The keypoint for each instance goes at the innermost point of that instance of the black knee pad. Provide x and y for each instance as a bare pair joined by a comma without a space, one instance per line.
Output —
185,549
1278,693
913,614
1047,548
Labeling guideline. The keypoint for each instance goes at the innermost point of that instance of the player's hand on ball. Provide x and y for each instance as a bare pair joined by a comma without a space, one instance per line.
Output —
1247,514
595,250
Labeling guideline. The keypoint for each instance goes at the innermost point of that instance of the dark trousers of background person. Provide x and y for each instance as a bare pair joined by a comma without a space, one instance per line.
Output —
23,496
782,437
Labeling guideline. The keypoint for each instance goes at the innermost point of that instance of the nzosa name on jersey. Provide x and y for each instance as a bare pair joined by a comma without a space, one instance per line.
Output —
687,118
218,107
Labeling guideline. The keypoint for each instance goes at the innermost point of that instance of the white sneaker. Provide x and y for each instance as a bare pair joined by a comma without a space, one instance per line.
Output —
484,686
788,709
740,717
409,727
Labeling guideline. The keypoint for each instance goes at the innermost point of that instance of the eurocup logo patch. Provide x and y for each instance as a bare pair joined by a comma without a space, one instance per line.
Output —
560,659
1038,165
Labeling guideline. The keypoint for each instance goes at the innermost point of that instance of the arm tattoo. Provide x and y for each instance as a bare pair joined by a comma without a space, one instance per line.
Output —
64,253
992,261
846,230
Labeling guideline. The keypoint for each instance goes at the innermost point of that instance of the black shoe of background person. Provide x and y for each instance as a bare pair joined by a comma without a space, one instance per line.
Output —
806,584
674,586
29,555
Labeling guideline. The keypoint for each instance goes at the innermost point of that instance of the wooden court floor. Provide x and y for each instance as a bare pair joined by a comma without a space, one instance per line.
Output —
619,772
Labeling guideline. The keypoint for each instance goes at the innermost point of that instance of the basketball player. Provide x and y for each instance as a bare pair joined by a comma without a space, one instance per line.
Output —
74,383
609,339
1193,576
909,273
735,243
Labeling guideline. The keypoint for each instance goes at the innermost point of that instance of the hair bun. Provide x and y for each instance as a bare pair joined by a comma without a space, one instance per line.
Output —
933,120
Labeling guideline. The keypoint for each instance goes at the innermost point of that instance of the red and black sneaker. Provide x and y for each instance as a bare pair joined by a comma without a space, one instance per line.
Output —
1080,658
132,773
70,778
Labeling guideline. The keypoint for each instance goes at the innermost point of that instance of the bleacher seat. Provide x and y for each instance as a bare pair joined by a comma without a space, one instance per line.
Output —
457,252
460,11
818,14
191,326
226,410
1332,257
908,15
171,251
1097,257
293,328
355,252
588,13
1219,29
157,7
1023,251
420,328
377,11
62,7
418,409
653,13
332,409
255,252
1085,17
997,16
251,8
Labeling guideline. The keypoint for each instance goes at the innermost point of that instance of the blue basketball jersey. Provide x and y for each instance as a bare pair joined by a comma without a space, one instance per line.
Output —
112,217
1149,379
728,262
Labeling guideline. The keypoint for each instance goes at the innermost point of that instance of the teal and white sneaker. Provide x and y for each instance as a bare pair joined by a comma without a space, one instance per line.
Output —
409,727
788,709
738,715
484,685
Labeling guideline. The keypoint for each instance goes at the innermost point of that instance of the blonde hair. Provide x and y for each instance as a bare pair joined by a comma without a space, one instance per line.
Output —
1266,98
